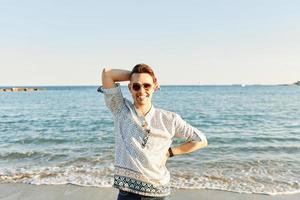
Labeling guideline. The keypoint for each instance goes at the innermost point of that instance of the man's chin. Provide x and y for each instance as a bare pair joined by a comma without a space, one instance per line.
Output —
141,102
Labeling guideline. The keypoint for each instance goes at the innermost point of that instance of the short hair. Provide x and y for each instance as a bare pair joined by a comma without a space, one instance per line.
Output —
143,68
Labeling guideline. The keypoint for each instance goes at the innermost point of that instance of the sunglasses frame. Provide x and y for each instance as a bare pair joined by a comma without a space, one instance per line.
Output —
137,86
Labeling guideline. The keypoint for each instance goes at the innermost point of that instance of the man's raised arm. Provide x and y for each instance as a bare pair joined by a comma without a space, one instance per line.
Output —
111,76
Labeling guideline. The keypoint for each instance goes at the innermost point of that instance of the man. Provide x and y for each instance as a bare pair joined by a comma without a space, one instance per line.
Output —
144,134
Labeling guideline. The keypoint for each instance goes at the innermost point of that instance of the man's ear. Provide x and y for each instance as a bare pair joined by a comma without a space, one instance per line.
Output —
156,87
129,88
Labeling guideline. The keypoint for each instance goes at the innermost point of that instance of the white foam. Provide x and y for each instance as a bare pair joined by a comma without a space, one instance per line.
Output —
243,182
86,175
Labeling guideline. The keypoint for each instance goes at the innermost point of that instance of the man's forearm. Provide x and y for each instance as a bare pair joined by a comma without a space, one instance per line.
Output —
188,147
110,76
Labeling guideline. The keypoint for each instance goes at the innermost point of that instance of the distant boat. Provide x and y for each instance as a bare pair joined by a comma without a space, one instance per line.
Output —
239,85
297,83
15,89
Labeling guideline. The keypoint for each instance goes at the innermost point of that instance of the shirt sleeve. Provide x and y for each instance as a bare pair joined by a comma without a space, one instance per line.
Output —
113,98
185,130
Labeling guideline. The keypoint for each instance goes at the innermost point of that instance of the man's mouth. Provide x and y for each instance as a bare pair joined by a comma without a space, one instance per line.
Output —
141,98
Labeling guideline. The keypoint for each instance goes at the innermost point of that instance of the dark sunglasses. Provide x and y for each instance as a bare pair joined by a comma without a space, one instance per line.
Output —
136,86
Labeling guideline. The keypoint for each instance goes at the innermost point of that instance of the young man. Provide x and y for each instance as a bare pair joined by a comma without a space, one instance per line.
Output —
144,134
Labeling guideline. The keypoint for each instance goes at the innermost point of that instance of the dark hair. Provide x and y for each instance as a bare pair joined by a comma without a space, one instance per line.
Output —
143,68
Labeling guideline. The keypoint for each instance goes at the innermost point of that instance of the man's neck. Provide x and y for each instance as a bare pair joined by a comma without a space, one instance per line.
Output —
144,109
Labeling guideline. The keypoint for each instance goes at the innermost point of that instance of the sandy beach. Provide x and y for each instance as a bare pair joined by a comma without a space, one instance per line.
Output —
73,192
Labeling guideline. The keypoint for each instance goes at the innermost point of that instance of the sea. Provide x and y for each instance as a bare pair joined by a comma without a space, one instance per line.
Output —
64,135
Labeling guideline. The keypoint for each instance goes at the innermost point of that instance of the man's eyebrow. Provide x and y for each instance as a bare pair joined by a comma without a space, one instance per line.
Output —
142,83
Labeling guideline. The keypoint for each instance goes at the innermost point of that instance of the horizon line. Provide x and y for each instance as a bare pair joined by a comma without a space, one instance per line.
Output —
87,85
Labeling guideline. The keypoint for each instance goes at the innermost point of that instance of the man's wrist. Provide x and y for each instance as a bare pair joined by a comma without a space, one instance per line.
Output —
171,154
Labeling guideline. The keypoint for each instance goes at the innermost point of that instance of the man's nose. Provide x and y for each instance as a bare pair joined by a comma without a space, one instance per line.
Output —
142,90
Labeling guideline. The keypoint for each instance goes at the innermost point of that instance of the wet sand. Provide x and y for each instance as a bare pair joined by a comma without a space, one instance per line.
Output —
21,191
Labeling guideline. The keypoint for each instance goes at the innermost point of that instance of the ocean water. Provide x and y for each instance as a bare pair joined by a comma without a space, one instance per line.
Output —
65,135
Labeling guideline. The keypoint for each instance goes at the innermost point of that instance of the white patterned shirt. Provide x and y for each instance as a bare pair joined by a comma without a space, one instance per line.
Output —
141,169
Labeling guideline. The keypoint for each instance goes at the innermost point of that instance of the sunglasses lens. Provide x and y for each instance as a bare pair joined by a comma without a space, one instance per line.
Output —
136,87
147,86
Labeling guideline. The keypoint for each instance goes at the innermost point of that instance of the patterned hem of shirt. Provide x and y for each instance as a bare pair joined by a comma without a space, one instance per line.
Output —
123,171
139,187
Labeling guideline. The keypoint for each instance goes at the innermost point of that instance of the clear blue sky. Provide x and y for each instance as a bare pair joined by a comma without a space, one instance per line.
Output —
61,42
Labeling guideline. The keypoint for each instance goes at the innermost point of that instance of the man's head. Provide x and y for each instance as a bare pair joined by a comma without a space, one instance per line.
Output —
143,83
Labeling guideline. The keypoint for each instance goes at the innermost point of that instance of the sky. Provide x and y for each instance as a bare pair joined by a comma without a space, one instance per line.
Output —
69,42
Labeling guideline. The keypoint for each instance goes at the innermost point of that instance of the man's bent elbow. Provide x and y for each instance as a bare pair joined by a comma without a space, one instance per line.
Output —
107,80
105,72
203,143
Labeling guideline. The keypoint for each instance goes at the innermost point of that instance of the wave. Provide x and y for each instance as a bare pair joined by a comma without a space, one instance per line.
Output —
250,184
28,154
41,140
87,175
237,140
257,149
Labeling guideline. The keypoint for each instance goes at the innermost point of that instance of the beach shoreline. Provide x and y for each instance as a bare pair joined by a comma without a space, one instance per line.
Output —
16,191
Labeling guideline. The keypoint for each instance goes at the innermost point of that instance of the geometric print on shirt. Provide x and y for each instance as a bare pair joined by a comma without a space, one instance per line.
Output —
131,181
140,187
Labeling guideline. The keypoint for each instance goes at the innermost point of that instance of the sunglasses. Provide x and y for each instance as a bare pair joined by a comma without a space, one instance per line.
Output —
136,86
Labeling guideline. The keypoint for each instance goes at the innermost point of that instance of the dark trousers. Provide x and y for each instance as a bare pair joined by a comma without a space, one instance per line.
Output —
123,195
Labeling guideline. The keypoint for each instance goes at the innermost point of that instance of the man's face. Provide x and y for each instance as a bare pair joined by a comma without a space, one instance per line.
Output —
141,87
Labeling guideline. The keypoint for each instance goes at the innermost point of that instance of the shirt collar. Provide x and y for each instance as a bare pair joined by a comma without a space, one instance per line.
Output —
150,114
